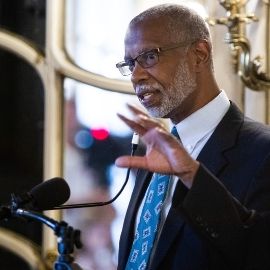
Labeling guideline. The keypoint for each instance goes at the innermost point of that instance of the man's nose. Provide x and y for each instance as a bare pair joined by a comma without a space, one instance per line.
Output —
139,73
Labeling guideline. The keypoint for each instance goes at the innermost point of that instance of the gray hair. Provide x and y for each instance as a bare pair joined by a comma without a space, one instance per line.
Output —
183,23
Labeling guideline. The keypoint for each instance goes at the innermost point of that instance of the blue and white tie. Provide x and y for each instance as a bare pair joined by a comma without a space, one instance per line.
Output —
147,229
148,225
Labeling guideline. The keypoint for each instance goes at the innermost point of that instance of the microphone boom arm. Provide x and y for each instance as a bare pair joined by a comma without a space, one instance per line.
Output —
67,238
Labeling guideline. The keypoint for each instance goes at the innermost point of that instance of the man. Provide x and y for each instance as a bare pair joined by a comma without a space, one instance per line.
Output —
219,168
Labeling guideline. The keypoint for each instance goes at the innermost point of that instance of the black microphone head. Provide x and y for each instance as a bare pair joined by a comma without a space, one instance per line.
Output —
50,193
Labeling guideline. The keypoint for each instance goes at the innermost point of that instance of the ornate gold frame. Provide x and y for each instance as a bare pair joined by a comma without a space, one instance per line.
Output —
249,70
23,248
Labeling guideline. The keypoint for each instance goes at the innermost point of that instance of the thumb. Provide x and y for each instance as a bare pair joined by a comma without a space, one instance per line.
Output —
132,162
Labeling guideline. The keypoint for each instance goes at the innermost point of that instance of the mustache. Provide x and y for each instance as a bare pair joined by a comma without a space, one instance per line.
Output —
148,87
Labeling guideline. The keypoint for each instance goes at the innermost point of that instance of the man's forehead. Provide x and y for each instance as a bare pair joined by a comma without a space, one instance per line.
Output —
136,46
145,35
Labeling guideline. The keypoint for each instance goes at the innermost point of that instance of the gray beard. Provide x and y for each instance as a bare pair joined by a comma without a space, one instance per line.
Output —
183,85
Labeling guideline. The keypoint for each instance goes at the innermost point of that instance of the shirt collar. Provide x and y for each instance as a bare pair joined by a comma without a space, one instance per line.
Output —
197,125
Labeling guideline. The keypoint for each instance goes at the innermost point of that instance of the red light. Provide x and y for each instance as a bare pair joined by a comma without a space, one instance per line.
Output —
100,133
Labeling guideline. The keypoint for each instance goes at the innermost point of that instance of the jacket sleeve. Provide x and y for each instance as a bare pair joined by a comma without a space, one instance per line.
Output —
239,234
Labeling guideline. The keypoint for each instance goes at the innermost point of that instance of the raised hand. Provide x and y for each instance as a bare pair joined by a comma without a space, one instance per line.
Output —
164,153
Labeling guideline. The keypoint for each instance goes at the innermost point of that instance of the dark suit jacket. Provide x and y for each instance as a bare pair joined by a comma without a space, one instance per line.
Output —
209,226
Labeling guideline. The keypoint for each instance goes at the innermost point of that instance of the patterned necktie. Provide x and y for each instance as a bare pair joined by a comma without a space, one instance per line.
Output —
149,221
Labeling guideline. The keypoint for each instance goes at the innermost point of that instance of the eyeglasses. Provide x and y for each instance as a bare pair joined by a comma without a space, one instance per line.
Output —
146,59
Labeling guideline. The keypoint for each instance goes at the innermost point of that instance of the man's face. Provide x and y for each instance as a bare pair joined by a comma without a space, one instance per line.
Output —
163,88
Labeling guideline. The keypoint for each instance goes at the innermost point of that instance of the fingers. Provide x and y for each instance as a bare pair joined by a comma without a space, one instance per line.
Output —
135,110
141,123
139,129
131,162
161,138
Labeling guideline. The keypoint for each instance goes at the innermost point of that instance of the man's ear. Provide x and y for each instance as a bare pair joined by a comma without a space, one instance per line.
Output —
202,54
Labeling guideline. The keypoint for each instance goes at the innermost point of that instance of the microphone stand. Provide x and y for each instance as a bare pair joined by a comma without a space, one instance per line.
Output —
67,238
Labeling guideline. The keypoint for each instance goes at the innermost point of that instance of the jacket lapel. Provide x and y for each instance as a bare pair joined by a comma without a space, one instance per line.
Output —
216,153
172,227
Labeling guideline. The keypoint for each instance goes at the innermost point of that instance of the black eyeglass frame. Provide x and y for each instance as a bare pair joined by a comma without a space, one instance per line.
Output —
125,66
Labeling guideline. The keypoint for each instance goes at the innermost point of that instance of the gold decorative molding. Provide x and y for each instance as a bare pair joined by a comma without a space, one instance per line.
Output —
236,21
23,248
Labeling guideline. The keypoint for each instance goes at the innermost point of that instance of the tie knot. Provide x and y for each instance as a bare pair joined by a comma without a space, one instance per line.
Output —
175,133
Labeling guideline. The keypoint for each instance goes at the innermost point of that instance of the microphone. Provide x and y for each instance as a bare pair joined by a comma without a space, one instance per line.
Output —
134,145
44,196
49,193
